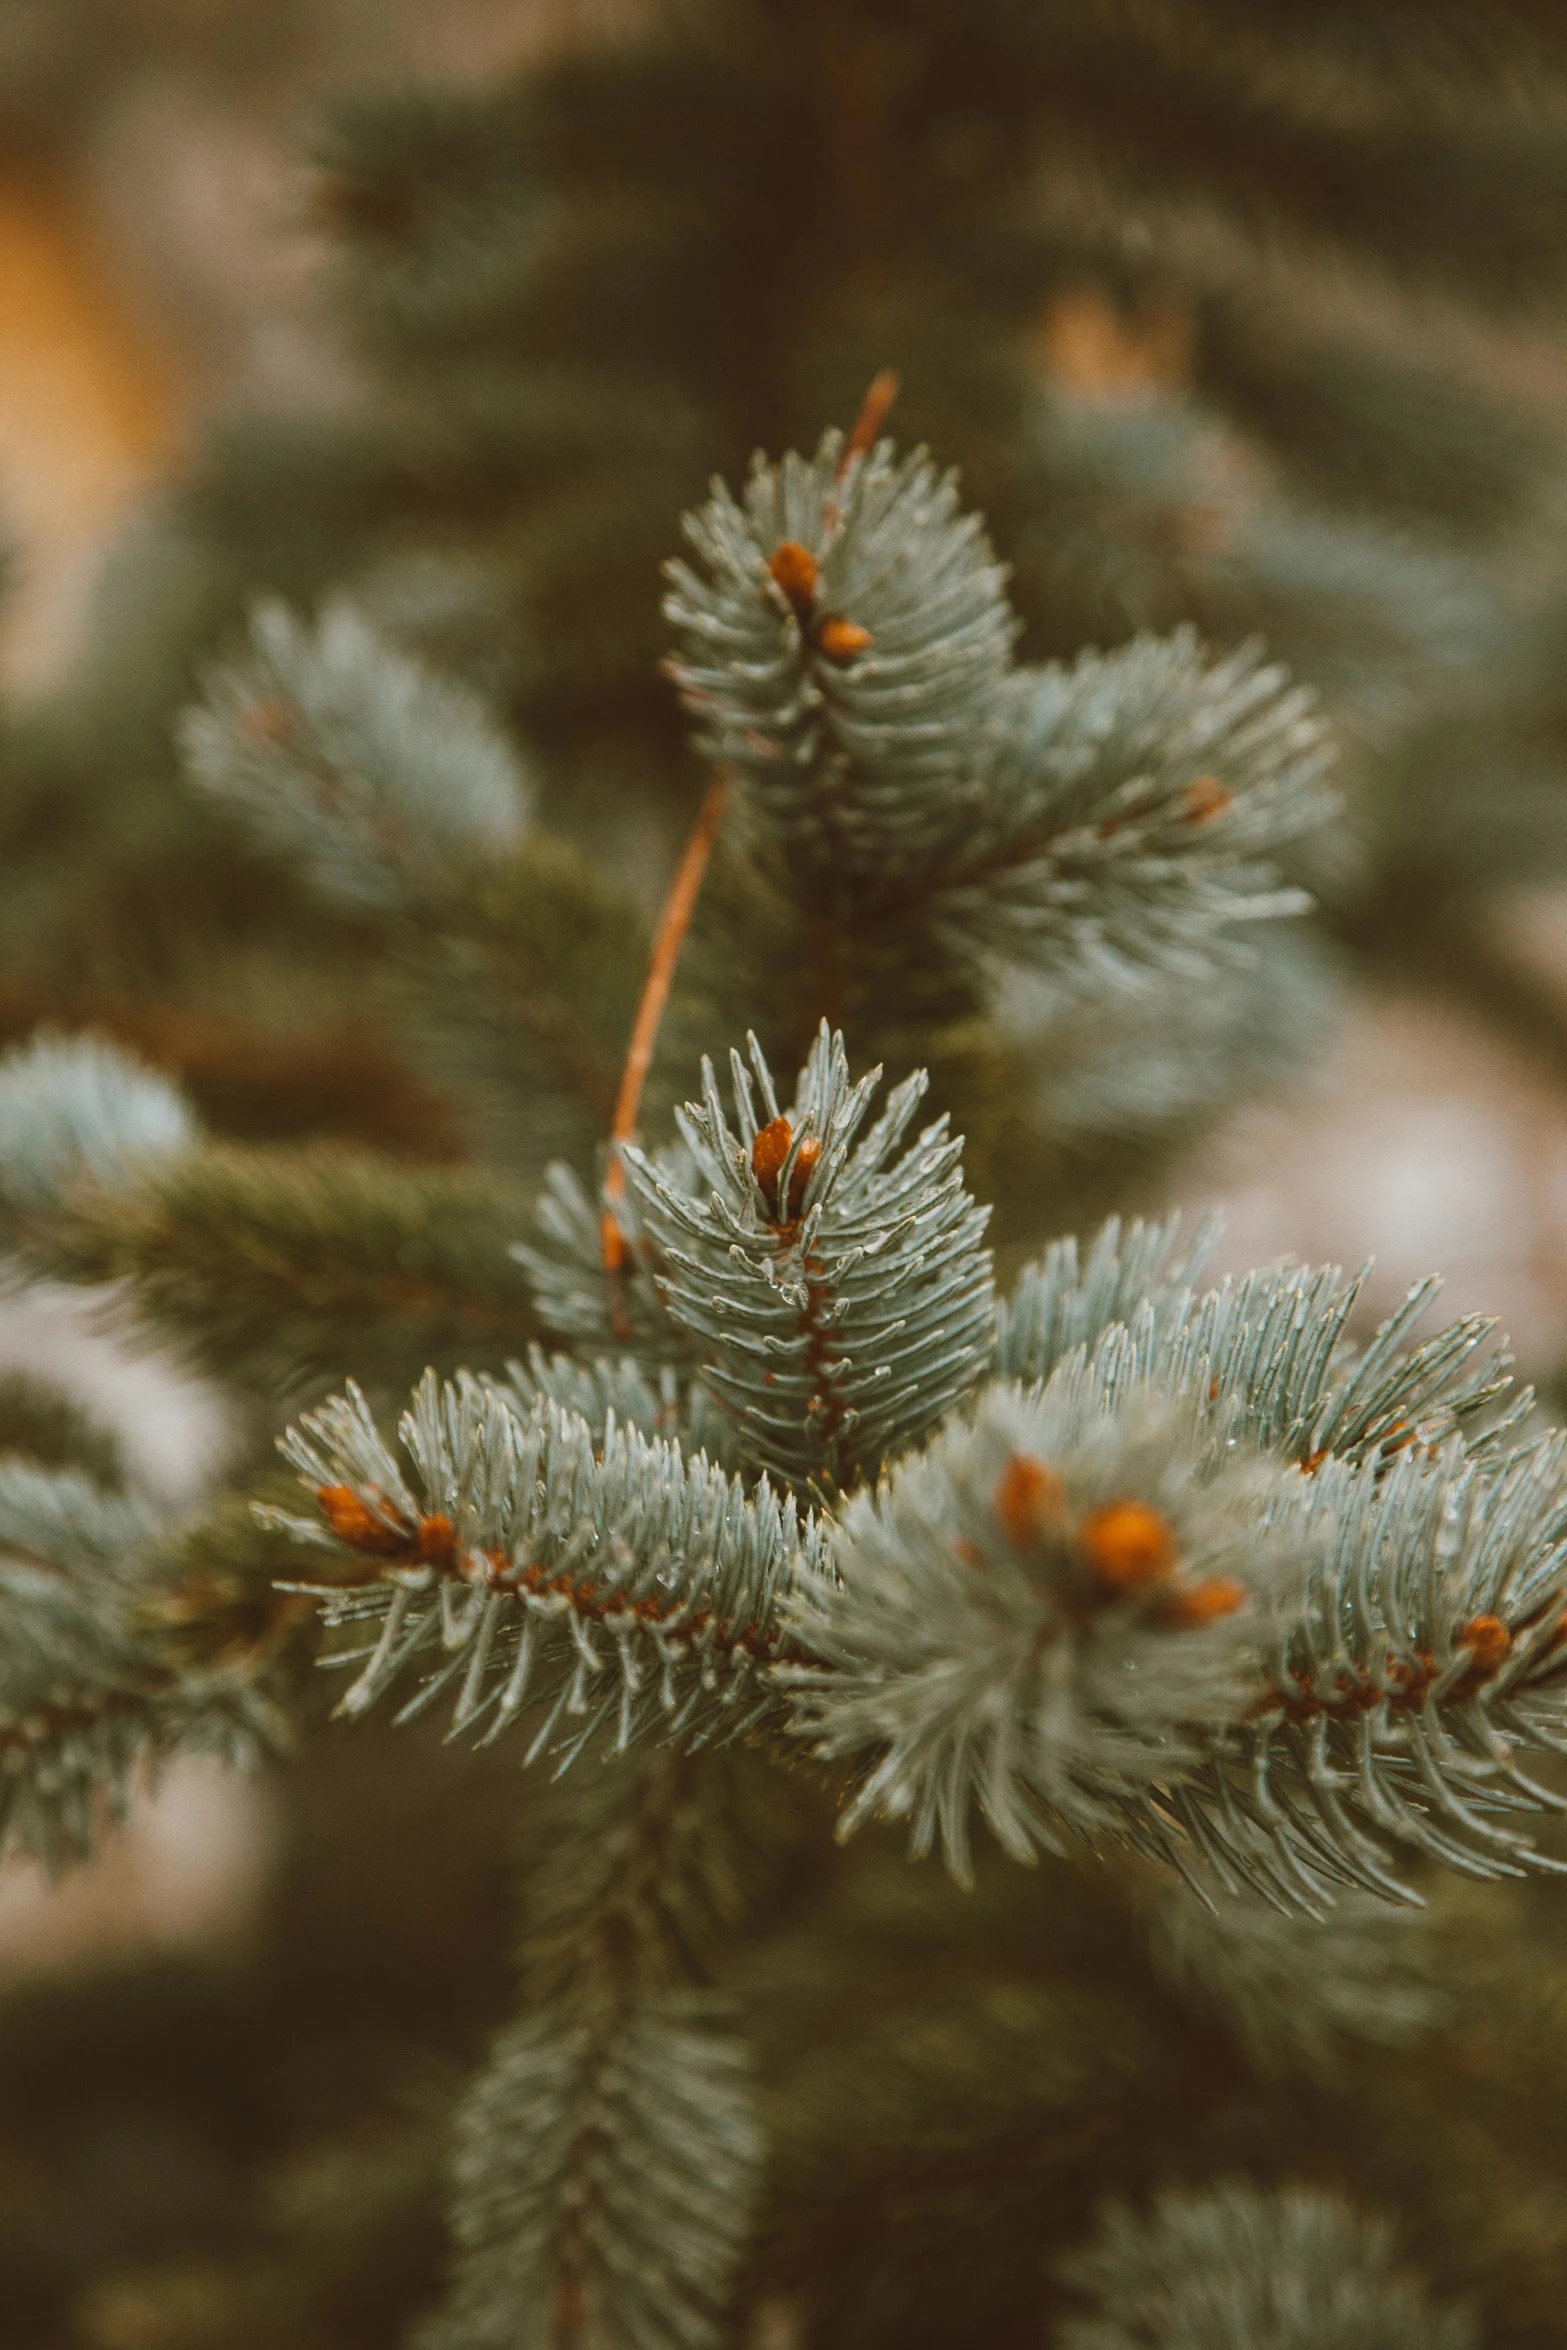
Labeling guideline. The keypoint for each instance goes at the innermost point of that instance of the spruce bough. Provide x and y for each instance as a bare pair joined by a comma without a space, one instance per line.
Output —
1092,1558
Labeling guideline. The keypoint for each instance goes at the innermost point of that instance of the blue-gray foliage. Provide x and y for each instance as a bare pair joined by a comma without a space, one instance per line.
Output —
1243,2268
338,749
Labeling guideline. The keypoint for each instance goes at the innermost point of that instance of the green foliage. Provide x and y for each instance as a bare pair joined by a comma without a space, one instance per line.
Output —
92,1696
1096,822
1337,1575
259,1266
42,1422
607,2157
342,751
1238,2269
1049,1613
608,1590
1303,1994
80,1109
519,991
1423,1662
842,1299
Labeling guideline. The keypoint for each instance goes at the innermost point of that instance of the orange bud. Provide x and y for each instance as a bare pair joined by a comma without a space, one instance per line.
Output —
1489,1644
1127,1544
768,1153
794,571
1029,1500
437,1537
842,640
268,722
771,1148
1207,1602
354,1522
1205,798
804,1167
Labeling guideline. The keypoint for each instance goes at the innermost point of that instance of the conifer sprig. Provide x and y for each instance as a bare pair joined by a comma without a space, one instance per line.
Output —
1242,2268
604,1587
1428,1654
1051,1613
846,649
841,1294
344,752
607,2155
838,646
1273,1343
94,1699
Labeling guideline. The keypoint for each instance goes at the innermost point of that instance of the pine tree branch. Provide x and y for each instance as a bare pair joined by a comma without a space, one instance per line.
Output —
842,1298
610,1590
1240,2268
607,2156
95,1693
264,1267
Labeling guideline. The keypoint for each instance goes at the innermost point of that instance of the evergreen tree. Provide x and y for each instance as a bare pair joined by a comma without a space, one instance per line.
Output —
721,1458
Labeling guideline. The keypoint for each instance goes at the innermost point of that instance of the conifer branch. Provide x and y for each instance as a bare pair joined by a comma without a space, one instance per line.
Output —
95,1698
344,752
1271,1345
606,2157
1301,1993
1052,1612
610,1591
1426,1657
842,1299
255,1264
1241,2268
79,1111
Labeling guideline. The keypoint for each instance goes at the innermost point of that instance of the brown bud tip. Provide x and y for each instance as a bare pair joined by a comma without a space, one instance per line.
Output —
794,572
267,722
806,1159
1127,1544
1313,1461
1207,1602
353,1521
768,1154
1029,1500
437,1537
1488,1641
842,640
1205,798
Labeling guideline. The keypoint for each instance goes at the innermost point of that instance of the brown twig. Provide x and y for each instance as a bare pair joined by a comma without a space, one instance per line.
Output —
668,939
883,390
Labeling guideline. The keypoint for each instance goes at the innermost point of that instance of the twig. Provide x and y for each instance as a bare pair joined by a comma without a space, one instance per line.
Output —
668,939
883,390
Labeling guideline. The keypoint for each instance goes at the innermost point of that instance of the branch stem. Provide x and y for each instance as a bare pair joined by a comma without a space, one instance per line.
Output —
673,923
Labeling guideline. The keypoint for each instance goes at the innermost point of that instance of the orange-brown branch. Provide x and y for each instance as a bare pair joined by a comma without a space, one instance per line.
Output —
673,924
